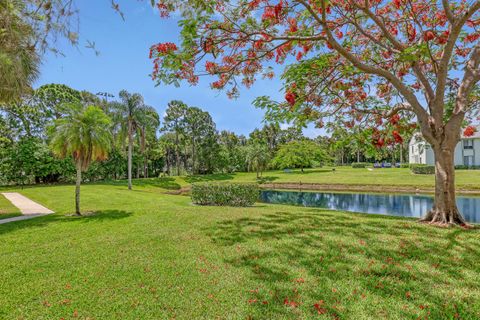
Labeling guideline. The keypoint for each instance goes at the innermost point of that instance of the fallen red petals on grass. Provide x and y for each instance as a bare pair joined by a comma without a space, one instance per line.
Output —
300,280
250,301
65,301
290,303
318,307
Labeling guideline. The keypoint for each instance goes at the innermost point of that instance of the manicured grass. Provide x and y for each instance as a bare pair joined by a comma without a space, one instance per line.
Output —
7,209
147,255
465,179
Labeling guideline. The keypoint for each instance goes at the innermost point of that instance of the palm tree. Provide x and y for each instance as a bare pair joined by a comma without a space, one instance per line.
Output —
19,61
83,133
257,157
130,114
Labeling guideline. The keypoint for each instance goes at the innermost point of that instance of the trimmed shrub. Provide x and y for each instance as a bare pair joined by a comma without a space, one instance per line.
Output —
225,194
405,165
422,169
359,165
463,167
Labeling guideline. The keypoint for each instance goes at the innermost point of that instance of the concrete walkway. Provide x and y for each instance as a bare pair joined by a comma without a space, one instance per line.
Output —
30,209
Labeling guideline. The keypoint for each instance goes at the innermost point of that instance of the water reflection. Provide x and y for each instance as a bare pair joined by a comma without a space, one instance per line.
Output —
388,204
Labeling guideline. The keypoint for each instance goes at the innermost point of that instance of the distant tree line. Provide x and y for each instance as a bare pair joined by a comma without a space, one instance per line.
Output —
185,142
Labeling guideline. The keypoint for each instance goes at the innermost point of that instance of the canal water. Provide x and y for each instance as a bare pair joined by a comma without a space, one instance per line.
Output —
387,204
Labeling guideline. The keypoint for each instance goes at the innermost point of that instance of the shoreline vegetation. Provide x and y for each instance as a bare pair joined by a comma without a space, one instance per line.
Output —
345,179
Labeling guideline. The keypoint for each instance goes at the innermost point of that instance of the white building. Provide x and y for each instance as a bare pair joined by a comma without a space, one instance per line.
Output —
467,151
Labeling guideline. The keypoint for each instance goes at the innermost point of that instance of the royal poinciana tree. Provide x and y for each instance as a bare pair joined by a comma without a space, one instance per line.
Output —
419,57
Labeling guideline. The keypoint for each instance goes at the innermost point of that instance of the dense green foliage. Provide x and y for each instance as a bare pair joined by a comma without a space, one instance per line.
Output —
299,154
225,194
148,255
19,62
187,142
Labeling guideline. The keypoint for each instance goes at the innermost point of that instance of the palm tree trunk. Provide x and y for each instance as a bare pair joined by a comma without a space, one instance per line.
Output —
130,147
193,155
145,166
177,153
77,191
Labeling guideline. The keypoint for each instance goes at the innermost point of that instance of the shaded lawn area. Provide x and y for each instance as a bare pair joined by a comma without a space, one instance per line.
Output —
147,255
7,209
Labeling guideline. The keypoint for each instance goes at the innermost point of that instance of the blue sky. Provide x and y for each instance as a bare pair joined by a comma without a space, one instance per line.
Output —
123,64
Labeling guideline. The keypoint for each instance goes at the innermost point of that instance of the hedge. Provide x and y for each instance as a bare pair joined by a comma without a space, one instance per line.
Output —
359,165
225,194
462,167
422,169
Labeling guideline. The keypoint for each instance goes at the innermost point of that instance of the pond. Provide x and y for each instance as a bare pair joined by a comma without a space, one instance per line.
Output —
388,204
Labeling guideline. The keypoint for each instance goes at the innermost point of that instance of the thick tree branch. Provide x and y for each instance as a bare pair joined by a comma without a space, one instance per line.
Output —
470,79
444,64
448,11
396,82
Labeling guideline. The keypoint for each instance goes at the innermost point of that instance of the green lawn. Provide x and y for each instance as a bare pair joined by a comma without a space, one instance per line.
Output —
7,209
147,255
466,179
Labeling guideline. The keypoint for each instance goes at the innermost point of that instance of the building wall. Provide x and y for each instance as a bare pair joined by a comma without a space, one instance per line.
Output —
420,152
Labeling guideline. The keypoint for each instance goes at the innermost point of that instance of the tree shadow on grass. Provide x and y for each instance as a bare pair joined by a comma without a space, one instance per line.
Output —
309,171
267,179
383,267
96,216
209,177
168,183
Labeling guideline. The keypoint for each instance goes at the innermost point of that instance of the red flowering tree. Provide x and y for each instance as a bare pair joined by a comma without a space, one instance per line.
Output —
419,57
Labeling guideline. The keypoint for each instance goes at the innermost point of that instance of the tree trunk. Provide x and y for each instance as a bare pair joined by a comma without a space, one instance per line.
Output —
358,155
145,166
130,147
77,191
193,155
444,210
177,153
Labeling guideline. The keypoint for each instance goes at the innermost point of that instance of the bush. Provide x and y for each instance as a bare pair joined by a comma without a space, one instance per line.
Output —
405,165
359,165
422,169
463,167
225,194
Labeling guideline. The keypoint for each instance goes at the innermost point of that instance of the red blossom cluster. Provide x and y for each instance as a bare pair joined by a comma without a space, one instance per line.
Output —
469,131
291,98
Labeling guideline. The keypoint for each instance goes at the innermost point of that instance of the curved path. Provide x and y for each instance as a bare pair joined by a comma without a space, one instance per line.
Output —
29,209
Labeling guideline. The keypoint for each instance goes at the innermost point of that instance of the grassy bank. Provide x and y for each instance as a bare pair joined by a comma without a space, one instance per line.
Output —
401,177
147,255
